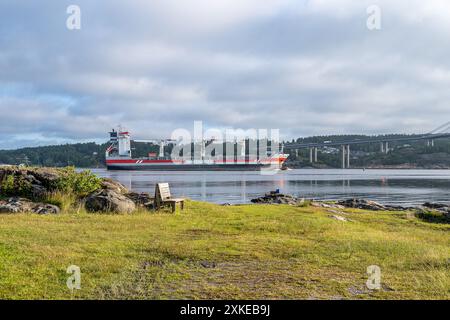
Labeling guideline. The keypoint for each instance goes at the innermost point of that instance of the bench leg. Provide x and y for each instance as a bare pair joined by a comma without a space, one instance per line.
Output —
173,207
182,205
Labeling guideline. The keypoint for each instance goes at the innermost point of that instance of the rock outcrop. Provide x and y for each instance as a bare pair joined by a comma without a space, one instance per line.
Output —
437,206
339,218
23,205
115,197
109,200
326,205
440,212
26,185
142,200
110,184
33,183
277,198
369,205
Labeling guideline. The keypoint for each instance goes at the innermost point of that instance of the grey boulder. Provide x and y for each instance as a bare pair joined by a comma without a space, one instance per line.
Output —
108,200
109,184
22,205
277,198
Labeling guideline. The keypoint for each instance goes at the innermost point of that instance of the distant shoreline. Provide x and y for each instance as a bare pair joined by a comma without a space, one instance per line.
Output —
401,167
311,168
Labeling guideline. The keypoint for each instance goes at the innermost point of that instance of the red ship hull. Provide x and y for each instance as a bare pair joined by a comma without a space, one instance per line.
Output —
170,165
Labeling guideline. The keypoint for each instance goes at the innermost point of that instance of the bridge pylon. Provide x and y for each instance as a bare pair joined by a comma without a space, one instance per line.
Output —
345,156
313,154
384,147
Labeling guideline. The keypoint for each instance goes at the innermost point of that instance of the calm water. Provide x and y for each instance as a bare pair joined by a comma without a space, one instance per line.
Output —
387,186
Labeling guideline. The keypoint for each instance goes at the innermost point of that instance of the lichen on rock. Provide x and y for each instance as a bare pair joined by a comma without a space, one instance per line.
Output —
23,205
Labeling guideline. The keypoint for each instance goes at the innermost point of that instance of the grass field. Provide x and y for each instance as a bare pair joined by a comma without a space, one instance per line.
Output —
226,252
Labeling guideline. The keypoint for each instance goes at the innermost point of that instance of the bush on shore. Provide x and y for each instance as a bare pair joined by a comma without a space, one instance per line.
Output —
80,183
63,187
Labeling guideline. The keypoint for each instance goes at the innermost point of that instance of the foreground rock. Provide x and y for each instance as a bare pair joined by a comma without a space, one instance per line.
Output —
110,184
274,197
277,198
29,182
38,183
370,205
339,218
115,197
22,205
326,205
108,200
441,207
142,200
441,212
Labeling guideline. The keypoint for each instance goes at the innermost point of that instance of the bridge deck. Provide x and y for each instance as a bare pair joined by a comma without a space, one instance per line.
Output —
365,141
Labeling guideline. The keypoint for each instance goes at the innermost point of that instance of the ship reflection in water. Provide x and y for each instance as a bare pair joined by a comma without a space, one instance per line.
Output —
408,187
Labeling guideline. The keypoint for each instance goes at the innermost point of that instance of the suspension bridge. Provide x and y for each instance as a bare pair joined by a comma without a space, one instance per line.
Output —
440,132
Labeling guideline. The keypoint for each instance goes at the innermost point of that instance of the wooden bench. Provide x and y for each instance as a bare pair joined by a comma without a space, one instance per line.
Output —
163,197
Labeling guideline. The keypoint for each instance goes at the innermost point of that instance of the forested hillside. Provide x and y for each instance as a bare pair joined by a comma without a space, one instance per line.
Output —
415,154
83,155
407,155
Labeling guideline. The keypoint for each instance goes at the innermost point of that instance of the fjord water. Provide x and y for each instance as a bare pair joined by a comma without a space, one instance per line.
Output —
406,187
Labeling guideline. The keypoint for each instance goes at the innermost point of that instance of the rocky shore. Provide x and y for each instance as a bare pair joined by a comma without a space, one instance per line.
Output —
29,189
428,207
33,190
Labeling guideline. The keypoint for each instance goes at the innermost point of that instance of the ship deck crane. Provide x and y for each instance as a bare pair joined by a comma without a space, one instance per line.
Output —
162,143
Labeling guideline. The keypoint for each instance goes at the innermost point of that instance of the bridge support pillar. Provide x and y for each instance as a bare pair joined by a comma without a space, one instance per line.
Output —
343,156
384,147
313,154
348,156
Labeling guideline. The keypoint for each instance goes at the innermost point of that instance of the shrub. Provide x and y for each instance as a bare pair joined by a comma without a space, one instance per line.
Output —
14,185
7,186
80,183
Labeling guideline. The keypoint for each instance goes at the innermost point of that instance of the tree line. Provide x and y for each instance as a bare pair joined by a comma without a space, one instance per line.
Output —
92,155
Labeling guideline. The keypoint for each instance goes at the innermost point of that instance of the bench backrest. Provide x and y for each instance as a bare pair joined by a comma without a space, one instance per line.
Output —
162,191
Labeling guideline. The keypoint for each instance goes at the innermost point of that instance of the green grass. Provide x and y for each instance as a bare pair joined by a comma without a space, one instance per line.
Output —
226,252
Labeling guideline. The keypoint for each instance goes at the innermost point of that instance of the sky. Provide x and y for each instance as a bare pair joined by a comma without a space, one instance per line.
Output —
306,67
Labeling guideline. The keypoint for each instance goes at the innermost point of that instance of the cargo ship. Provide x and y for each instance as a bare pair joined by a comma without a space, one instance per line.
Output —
118,157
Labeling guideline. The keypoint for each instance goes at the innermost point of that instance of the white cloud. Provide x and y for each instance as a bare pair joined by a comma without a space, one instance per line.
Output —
306,67
212,16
